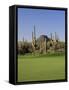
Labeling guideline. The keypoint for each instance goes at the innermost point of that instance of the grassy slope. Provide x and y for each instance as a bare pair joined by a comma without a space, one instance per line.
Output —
41,68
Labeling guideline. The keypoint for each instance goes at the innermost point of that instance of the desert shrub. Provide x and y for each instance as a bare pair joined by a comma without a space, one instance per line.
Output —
25,48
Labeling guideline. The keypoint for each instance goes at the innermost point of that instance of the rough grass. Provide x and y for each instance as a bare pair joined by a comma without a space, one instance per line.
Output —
34,68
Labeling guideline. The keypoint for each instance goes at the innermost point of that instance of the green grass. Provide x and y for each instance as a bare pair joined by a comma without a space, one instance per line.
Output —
34,68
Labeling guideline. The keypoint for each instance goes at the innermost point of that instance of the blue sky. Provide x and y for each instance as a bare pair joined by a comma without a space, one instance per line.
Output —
45,21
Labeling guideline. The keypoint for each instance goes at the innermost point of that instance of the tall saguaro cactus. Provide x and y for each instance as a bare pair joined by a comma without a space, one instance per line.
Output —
34,39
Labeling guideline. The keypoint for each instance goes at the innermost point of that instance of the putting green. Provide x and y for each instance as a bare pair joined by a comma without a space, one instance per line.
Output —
41,68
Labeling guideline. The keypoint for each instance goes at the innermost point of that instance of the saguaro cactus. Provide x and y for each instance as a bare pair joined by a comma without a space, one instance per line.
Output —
34,40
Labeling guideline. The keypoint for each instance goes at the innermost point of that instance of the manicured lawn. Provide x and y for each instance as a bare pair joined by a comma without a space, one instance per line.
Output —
41,68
